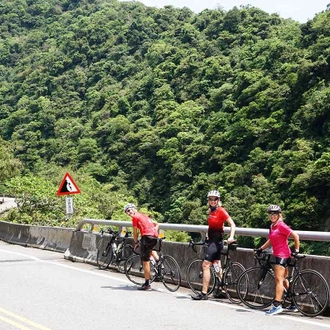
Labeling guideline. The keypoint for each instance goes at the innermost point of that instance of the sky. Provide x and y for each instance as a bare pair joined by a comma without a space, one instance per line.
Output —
299,10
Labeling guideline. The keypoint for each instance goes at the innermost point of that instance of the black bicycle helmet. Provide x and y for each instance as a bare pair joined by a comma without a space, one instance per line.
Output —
274,209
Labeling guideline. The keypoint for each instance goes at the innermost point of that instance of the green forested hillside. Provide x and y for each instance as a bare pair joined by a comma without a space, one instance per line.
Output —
158,106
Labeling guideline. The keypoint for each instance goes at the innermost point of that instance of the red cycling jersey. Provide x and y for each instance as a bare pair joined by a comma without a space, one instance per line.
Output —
144,224
216,220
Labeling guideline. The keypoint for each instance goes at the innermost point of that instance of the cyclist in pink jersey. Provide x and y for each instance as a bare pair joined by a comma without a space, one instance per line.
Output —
149,233
216,220
278,239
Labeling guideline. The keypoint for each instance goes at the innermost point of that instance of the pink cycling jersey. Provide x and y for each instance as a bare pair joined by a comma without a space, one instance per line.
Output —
144,224
278,237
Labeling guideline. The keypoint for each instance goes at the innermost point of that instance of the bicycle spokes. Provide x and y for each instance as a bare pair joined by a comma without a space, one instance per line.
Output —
310,292
169,271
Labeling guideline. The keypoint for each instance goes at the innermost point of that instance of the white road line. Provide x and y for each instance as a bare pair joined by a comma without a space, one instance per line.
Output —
229,305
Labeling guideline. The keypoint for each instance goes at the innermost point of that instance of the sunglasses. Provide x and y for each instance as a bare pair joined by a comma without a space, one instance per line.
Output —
213,199
129,211
273,213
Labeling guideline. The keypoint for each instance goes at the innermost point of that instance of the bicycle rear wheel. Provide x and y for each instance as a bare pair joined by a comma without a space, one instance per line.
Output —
170,273
134,269
310,292
256,287
104,253
231,276
125,252
195,277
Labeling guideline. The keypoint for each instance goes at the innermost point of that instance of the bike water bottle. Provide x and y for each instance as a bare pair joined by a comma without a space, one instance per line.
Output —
216,266
152,260
114,247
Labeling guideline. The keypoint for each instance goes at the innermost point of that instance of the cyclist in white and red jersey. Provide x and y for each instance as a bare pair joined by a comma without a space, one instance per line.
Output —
149,234
216,220
278,239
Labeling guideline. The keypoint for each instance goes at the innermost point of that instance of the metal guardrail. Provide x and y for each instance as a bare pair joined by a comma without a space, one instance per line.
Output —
254,232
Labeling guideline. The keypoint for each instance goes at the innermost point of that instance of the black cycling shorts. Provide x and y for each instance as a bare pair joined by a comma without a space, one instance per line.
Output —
213,251
147,243
284,262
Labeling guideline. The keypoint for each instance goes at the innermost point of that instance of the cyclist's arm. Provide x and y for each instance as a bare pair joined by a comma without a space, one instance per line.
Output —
295,237
135,235
266,245
232,225
156,224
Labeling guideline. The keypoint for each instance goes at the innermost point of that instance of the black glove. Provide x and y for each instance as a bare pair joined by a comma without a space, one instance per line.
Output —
257,252
294,253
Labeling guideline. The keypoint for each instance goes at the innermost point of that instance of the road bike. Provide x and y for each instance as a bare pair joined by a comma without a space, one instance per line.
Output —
113,249
225,282
166,270
308,290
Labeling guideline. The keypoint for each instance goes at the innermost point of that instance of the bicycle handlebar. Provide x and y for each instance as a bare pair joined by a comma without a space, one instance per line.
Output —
112,232
264,258
231,246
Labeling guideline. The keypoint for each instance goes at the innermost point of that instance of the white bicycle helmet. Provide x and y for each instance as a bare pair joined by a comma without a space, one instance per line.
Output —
129,206
213,193
274,209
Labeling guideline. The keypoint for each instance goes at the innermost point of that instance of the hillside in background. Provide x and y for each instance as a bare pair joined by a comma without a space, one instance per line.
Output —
158,106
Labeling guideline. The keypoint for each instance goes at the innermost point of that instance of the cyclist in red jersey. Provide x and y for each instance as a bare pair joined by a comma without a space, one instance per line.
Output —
149,233
216,220
278,238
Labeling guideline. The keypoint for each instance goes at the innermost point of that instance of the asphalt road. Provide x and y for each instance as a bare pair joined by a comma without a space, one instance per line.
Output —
7,204
41,290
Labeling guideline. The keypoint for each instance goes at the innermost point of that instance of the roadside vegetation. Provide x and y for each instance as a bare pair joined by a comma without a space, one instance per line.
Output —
158,106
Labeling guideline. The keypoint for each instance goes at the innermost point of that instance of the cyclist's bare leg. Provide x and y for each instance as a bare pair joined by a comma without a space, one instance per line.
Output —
279,281
146,270
206,275
286,281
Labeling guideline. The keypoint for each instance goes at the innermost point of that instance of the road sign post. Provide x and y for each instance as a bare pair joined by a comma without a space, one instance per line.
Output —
68,187
69,205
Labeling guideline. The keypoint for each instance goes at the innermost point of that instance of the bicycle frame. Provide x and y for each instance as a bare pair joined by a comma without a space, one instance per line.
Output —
307,289
226,281
166,270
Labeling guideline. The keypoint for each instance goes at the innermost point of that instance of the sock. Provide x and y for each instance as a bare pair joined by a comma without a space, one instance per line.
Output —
276,303
147,282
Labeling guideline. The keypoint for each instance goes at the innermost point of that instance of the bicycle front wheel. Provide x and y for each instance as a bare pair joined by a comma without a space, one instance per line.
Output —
256,287
195,277
170,273
231,276
124,254
134,269
104,254
310,292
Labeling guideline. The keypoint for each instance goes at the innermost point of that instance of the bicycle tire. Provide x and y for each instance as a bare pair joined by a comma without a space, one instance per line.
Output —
256,287
169,270
231,276
134,270
310,292
123,255
195,277
104,254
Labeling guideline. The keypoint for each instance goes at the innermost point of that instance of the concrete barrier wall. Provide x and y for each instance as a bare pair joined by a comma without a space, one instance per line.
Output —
48,238
82,246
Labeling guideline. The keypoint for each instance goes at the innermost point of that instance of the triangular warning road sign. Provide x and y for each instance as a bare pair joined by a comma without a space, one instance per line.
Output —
67,186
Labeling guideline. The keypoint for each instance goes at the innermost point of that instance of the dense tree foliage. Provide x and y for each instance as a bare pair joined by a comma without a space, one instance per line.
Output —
158,106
